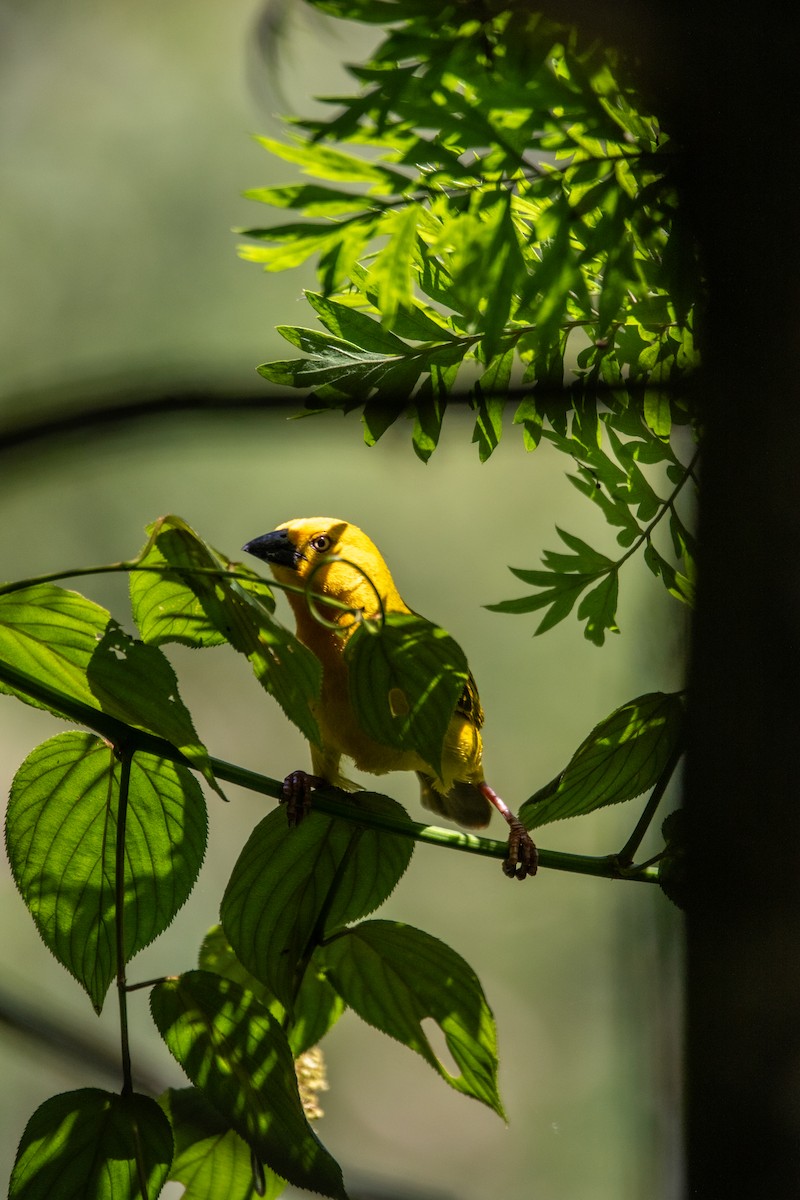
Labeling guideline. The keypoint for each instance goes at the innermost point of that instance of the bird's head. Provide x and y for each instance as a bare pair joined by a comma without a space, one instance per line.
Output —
336,557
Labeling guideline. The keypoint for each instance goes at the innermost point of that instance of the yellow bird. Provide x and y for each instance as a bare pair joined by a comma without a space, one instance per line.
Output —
342,563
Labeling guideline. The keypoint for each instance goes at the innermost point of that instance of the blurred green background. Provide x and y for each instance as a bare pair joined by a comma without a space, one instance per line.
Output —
125,142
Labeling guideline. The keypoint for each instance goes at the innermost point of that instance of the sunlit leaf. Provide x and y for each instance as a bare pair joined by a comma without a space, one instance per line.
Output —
390,271
622,757
181,597
61,831
67,642
354,326
91,1143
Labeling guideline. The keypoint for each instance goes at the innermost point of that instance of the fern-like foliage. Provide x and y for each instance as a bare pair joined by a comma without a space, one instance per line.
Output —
492,211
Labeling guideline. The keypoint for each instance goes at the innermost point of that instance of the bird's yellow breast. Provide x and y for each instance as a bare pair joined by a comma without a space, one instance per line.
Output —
338,561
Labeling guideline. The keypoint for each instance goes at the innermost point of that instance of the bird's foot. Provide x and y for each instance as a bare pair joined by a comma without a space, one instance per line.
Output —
297,789
523,857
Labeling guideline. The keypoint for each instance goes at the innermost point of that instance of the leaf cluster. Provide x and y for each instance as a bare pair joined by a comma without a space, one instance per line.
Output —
106,831
494,207
644,485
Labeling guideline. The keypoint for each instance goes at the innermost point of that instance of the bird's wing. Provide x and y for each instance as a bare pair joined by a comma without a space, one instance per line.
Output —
465,803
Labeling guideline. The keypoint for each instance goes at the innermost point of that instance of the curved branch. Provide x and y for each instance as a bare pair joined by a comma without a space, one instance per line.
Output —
328,799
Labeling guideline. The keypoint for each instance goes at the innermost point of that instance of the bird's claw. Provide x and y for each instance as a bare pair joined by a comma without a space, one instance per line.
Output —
297,789
523,857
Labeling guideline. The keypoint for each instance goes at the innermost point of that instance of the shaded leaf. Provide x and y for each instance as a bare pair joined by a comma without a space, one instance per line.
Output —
91,1143
488,419
236,1053
564,579
394,976
211,1160
673,871
316,1006
599,609
405,680
287,880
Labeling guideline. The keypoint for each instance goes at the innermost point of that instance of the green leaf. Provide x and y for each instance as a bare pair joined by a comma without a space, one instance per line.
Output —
429,409
566,576
394,976
554,277
311,199
295,243
405,680
177,597
355,327
510,226
560,595
91,1143
658,412
678,585
583,558
180,605
622,757
211,1160
316,1008
529,415
390,272
63,640
488,421
334,362
615,510
236,1053
599,609
61,828
327,163
287,881
380,414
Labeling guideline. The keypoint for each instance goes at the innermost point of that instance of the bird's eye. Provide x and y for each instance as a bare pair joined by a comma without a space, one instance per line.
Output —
321,543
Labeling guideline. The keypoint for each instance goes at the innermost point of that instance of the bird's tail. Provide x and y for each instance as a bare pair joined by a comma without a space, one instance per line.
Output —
465,803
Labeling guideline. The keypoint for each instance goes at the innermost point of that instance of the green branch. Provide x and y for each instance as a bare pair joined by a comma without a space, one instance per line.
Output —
134,564
119,919
667,505
127,739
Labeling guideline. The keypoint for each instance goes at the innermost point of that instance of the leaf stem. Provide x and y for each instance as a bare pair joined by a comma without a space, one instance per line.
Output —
666,505
143,983
626,854
165,569
315,938
126,757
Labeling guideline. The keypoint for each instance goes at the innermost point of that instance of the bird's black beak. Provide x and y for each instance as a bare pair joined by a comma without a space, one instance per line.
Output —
275,547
